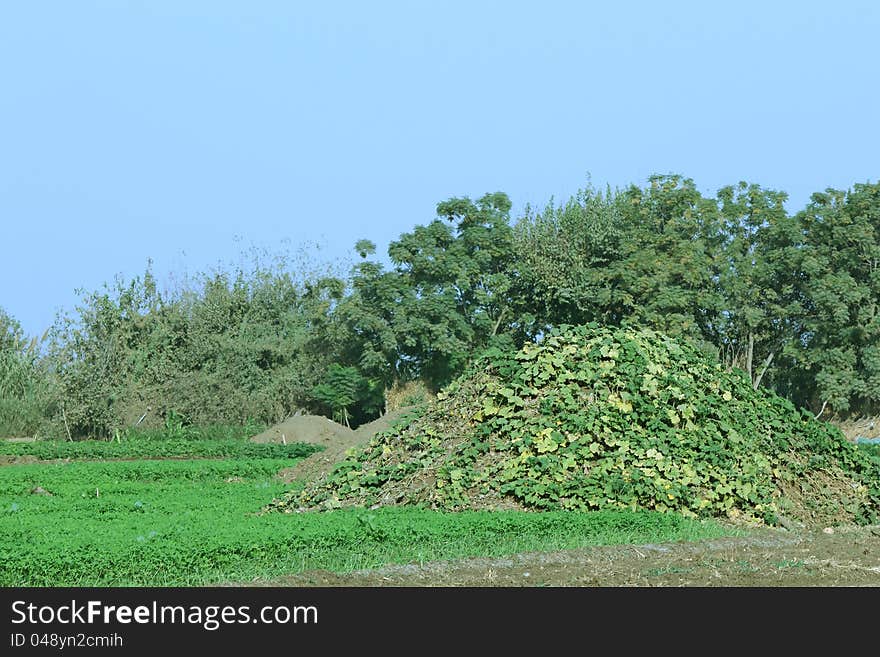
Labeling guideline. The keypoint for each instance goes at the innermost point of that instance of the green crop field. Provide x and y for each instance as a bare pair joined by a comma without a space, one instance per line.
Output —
147,449
193,522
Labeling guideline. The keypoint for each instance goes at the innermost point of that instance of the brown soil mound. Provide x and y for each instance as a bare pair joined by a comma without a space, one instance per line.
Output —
334,438
315,429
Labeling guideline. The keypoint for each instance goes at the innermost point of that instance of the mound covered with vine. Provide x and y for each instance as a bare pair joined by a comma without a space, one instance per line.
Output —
600,418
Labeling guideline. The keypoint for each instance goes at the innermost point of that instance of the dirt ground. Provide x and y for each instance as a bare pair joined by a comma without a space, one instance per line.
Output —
862,428
848,557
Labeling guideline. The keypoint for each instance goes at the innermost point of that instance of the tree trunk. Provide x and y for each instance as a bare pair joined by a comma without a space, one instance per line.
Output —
749,355
498,321
767,362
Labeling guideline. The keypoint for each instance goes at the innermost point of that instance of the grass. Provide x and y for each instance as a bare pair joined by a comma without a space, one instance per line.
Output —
180,523
155,448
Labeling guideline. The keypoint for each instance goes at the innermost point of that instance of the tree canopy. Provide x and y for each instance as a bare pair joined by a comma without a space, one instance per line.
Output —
789,298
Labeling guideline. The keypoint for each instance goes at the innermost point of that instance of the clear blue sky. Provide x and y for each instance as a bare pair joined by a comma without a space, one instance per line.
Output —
180,130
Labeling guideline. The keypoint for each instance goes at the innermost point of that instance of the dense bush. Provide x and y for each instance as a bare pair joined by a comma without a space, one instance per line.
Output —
232,348
26,395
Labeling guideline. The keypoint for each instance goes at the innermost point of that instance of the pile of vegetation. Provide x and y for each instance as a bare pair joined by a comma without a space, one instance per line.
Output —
599,418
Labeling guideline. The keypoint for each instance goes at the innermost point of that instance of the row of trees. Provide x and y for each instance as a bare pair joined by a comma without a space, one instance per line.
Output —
790,299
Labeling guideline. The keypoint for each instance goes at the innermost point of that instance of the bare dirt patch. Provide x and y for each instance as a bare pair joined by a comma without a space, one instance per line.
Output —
24,459
860,428
850,556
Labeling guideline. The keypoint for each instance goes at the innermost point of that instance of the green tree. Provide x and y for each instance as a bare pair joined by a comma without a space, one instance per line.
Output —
12,338
835,359
342,388
446,296
565,259
671,260
761,302
641,256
